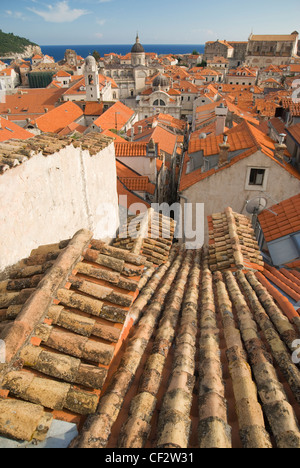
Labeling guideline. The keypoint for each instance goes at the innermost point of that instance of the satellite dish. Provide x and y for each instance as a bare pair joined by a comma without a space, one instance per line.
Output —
256,205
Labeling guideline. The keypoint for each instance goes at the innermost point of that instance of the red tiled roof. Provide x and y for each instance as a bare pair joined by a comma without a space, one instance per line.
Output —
131,197
59,118
294,131
293,107
278,125
11,131
71,128
287,285
6,72
130,149
93,108
62,73
30,101
132,180
245,138
221,42
115,117
285,222
82,282
138,184
165,138
295,67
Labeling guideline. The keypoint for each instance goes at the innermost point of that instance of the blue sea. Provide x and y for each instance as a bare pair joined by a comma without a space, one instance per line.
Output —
58,52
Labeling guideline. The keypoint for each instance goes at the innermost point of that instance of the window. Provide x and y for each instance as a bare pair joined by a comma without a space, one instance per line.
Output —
256,177
159,103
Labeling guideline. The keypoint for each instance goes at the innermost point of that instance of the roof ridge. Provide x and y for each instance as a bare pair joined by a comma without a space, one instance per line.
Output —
37,305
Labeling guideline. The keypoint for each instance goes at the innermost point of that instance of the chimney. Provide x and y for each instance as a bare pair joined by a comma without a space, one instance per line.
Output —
224,150
280,148
221,114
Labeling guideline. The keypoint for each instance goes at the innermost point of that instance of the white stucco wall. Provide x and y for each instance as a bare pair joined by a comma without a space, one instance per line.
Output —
145,166
48,199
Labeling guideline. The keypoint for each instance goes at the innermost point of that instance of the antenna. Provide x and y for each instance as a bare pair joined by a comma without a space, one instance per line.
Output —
256,205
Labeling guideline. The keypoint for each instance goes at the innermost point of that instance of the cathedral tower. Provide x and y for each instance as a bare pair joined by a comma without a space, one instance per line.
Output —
138,56
91,75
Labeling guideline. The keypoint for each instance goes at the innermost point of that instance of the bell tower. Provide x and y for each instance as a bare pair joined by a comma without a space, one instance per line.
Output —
91,75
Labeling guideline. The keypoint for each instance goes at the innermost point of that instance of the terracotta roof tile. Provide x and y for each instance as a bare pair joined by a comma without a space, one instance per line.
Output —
165,138
78,319
199,368
73,127
150,400
11,131
131,197
244,138
130,149
285,222
156,245
35,101
132,180
232,242
294,131
93,108
115,117
57,119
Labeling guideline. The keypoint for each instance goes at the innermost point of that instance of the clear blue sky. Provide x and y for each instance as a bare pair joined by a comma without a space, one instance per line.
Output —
56,22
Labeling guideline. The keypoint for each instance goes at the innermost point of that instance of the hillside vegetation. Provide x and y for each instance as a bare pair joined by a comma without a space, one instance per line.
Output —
9,43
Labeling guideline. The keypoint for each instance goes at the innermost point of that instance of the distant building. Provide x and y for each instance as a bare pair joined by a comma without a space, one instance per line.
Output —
247,163
218,49
159,98
10,79
131,77
264,50
234,52
242,76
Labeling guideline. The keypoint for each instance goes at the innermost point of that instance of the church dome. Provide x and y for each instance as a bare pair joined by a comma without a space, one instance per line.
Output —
137,48
90,62
160,80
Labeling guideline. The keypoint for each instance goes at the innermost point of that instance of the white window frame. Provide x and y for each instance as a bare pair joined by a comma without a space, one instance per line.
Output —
262,187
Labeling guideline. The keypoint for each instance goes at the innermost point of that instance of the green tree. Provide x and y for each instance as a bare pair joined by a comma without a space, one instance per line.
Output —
96,55
9,43
202,64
